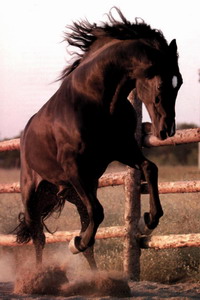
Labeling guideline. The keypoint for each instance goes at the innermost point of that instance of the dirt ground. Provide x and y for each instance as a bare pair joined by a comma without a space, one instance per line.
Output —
139,290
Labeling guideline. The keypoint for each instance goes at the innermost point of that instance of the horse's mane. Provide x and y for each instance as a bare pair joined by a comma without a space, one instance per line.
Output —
83,34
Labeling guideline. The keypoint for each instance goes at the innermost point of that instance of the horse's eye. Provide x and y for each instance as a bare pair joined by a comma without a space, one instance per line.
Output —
159,86
157,100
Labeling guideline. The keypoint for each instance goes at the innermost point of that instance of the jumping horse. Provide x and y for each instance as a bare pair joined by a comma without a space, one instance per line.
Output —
89,122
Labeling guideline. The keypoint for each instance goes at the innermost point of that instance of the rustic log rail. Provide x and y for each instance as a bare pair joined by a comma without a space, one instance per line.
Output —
146,242
66,236
181,137
170,241
10,145
118,178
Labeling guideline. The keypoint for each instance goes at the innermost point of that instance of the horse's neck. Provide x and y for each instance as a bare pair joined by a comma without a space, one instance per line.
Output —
99,48
122,91
102,75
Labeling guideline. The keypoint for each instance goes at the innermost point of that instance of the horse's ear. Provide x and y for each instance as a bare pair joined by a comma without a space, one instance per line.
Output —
173,46
157,59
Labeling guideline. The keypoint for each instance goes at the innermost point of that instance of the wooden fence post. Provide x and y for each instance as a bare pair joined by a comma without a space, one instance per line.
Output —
132,206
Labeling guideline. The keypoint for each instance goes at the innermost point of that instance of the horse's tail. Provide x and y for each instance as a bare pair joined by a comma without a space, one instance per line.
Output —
22,231
47,202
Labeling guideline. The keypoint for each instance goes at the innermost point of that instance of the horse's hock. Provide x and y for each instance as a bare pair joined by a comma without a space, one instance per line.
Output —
134,241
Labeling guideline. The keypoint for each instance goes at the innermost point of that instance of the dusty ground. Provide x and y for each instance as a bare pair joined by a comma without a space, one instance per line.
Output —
141,290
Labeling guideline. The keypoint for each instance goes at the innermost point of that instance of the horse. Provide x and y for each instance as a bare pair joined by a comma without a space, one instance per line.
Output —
89,123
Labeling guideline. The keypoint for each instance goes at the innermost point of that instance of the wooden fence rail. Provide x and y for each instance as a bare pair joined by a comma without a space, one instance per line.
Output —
146,242
118,178
10,145
181,137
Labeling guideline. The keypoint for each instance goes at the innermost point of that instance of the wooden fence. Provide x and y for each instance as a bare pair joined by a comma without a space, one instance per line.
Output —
131,179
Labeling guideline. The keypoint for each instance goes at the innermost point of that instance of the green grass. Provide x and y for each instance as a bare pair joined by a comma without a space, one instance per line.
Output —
181,216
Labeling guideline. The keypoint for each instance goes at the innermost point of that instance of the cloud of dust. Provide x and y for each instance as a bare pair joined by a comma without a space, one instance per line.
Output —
53,281
7,272
66,274
62,256
11,265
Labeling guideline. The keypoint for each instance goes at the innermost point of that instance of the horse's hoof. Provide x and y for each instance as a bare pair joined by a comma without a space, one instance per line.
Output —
143,228
72,245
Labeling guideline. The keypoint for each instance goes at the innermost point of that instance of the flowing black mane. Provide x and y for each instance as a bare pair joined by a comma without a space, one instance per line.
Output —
83,34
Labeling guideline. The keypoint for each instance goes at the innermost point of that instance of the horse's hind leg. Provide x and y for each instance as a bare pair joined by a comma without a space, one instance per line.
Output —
30,223
39,242
36,226
45,202
30,226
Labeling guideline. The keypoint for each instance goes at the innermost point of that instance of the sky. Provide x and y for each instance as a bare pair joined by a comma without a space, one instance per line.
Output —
32,54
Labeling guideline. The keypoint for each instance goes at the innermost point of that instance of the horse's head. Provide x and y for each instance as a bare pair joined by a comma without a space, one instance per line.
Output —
158,88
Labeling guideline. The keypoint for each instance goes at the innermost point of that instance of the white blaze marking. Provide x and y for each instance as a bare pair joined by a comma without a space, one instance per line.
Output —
174,81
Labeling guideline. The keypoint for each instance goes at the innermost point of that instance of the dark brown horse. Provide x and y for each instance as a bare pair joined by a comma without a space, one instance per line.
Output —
89,123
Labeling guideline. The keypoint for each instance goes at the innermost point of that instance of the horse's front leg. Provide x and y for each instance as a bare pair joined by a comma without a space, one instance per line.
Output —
89,255
151,219
150,171
84,218
69,193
